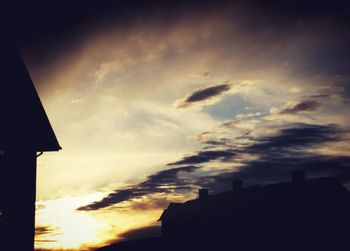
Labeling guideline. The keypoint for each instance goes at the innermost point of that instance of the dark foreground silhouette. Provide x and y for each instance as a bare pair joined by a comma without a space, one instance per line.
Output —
25,131
304,214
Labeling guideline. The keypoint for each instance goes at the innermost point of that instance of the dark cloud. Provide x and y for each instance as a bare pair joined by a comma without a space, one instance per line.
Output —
297,137
204,94
305,106
311,37
206,156
286,151
43,233
208,92
279,154
165,181
42,230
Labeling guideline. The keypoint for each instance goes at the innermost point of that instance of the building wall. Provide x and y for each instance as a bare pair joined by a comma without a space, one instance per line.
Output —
17,199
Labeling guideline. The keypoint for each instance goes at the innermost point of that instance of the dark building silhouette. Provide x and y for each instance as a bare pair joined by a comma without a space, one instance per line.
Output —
304,214
25,132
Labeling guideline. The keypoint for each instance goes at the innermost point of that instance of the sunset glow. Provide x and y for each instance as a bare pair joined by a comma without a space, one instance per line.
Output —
150,110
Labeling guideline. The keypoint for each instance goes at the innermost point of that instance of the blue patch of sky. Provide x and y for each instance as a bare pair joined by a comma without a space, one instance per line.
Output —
228,107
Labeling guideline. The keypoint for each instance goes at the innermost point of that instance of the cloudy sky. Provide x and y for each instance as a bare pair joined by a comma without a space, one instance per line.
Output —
152,100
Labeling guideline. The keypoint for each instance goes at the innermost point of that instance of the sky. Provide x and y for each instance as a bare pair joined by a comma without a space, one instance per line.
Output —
152,100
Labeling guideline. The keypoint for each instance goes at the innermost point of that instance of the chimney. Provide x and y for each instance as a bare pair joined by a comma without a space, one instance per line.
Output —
237,185
298,176
203,193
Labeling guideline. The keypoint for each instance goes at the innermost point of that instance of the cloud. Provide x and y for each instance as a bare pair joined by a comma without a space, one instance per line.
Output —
292,148
317,107
204,96
277,167
42,233
206,156
165,181
297,137
304,106
235,45
276,155
271,158
159,55
43,230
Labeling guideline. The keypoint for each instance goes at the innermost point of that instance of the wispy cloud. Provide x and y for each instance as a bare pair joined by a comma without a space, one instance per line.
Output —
43,230
205,156
128,140
287,148
304,106
45,234
297,136
165,181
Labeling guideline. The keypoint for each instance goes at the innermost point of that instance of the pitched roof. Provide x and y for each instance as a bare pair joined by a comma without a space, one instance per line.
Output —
23,121
325,189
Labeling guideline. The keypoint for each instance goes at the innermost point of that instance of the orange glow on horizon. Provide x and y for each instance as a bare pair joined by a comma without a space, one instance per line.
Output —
79,230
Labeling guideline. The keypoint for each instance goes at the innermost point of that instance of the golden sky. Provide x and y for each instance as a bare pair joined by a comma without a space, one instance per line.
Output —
149,110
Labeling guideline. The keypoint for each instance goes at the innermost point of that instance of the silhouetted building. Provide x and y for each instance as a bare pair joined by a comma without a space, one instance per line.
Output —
25,132
304,214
